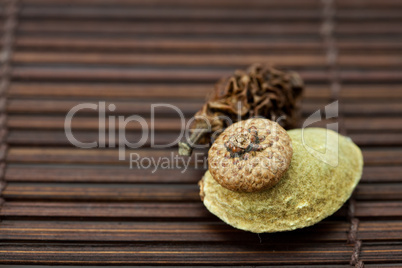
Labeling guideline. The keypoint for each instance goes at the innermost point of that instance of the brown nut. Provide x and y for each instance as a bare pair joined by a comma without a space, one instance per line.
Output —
250,155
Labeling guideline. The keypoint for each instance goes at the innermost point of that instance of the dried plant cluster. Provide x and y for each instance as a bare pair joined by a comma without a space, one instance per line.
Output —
261,91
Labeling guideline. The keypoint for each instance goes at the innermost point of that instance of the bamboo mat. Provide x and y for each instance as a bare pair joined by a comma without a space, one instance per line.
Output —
65,205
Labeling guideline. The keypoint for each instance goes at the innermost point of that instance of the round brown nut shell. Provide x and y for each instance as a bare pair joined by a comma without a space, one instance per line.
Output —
250,155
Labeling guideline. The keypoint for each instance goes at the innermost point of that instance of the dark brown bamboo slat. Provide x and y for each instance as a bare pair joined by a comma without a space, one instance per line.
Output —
389,61
371,76
122,107
175,14
372,156
195,211
115,192
395,265
166,44
377,253
89,123
224,29
378,209
107,210
126,210
368,3
117,75
191,14
379,46
206,60
382,174
120,210
213,45
167,59
381,156
353,124
196,253
87,173
132,107
392,107
96,156
173,3
377,139
117,91
376,230
127,75
171,28
147,192
374,124
178,91
58,138
371,92
160,231
188,108
368,14
106,174
224,3
363,28
380,191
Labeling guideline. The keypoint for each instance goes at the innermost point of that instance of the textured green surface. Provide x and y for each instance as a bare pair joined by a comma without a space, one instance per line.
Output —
310,191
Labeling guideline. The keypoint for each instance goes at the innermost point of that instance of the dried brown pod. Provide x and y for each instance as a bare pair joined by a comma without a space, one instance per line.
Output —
250,155
261,91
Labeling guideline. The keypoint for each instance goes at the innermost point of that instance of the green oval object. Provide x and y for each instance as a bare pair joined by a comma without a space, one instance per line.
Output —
325,169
